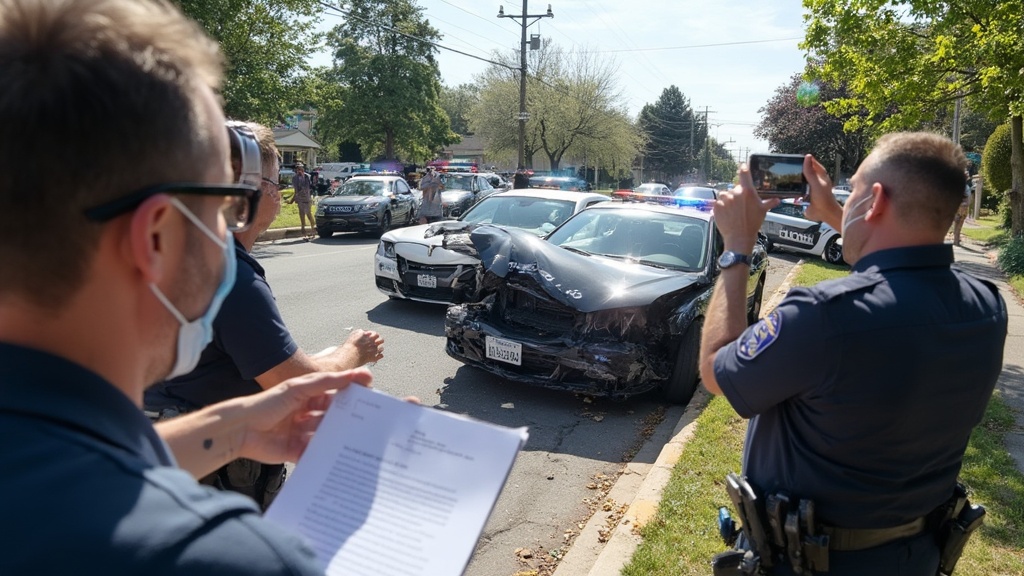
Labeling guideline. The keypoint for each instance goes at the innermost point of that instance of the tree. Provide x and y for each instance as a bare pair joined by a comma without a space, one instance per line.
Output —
903,61
391,97
265,43
457,103
723,166
674,135
791,128
575,109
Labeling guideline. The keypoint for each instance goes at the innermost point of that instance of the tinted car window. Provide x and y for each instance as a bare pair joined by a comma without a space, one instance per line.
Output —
362,188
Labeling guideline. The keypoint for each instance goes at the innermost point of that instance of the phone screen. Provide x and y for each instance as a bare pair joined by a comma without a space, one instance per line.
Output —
778,174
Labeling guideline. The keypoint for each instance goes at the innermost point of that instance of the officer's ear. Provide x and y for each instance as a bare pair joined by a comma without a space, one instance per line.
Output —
152,230
880,205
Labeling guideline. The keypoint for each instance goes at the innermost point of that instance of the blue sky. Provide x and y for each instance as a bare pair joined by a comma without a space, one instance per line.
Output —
652,43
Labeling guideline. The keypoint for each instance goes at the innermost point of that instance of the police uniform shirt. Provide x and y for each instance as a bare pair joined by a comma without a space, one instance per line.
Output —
863,391
249,338
90,488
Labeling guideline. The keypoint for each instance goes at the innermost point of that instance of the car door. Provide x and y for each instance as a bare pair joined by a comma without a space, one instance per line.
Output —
787,227
405,199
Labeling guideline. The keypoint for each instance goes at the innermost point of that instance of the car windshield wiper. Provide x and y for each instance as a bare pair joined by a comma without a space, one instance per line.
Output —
651,264
576,250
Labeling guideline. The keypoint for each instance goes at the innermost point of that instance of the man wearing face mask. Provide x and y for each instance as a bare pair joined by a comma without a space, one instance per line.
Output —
862,391
252,348
120,291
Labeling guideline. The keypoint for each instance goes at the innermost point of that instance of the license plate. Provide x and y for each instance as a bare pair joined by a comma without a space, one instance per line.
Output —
504,350
426,281
341,209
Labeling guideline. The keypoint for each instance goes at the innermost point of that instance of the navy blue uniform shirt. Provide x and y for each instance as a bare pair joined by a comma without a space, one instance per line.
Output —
249,338
863,391
89,488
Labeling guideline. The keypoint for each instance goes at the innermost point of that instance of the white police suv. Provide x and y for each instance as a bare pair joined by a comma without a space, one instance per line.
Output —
787,228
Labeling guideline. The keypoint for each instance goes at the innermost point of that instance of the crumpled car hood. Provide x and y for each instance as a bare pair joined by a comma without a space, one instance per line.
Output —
586,283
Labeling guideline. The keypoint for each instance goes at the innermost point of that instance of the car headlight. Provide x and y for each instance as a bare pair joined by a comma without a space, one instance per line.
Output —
371,206
388,249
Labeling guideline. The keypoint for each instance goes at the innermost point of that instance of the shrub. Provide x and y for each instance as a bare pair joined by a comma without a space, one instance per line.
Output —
1005,213
1011,257
995,161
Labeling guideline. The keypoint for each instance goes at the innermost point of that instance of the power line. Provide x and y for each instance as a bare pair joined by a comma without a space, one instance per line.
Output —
695,46
475,15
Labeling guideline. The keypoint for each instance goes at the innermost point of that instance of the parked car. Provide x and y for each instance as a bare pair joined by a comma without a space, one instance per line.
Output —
559,183
462,190
786,227
611,305
370,203
415,264
695,192
497,181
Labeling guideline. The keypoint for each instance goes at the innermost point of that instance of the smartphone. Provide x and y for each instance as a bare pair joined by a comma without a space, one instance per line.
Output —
779,175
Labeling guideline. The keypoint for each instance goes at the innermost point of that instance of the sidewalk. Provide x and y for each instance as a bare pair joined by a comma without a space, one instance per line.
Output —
642,484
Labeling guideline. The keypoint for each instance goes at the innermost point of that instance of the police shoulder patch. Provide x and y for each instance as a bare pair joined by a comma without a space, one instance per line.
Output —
760,336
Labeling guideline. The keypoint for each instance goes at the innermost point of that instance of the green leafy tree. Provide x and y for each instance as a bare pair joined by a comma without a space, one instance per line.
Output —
575,110
723,166
265,43
674,136
791,128
457,102
391,99
902,61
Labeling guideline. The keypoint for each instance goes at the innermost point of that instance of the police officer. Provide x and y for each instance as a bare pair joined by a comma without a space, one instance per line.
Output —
118,291
862,391
252,348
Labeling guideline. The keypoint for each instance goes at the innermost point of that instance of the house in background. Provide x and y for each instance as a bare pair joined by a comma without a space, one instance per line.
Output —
296,146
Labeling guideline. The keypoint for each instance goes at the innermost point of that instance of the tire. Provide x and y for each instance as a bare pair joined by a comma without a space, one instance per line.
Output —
681,385
755,310
323,233
833,253
385,222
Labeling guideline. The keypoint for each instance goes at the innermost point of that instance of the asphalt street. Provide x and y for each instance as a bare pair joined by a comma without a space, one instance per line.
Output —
577,447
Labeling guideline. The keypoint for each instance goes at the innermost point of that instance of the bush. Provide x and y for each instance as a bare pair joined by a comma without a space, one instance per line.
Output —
1011,257
1005,213
995,161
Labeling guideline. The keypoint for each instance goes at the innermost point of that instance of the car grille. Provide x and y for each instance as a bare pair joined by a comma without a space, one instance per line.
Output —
465,283
521,309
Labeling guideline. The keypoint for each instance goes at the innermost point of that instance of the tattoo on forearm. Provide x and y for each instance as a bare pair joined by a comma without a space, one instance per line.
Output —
208,443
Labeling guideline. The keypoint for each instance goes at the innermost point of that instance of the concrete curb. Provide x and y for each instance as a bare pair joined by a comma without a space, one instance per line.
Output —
641,485
279,234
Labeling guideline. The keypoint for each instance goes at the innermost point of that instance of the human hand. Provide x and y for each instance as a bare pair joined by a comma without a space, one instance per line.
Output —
823,205
365,346
280,421
739,213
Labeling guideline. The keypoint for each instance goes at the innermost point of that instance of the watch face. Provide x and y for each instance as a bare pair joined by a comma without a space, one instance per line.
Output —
729,258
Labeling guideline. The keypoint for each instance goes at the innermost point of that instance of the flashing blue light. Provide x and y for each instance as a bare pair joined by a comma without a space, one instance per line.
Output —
702,204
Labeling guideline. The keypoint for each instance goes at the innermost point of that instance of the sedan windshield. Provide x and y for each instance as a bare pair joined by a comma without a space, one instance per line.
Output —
362,188
663,240
537,215
458,183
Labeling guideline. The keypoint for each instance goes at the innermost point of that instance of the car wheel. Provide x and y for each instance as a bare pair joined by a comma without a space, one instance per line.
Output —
679,388
385,222
324,233
833,251
755,309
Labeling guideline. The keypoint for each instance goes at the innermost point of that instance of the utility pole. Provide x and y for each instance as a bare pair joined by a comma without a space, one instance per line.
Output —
524,23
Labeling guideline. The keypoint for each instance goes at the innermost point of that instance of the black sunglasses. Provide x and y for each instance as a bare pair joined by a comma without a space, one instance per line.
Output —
240,201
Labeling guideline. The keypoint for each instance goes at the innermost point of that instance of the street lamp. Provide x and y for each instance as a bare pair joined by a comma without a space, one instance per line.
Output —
525,20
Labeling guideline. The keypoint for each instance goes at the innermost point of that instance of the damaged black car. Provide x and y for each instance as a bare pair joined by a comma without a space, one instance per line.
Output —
610,304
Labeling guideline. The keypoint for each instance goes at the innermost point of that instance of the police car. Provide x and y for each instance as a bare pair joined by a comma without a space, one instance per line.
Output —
786,227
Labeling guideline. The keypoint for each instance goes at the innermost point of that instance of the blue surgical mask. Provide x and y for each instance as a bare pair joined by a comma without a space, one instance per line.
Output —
194,336
861,216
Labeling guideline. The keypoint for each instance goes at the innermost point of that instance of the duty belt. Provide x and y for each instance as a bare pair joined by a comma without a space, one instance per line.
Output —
849,539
